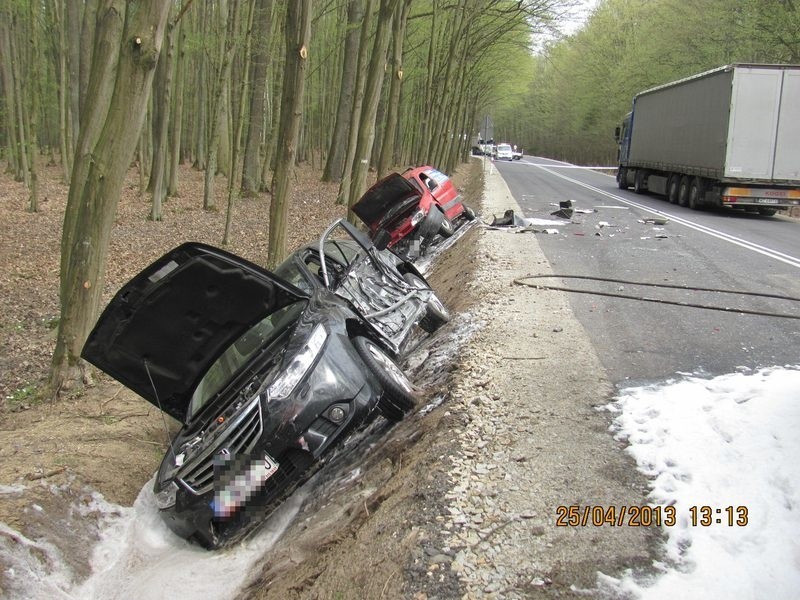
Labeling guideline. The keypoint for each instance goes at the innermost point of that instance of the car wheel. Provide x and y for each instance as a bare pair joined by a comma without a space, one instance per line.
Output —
767,212
398,394
469,213
446,229
436,314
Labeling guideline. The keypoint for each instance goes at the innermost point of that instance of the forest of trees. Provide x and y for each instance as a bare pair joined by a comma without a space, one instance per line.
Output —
565,101
247,89
242,88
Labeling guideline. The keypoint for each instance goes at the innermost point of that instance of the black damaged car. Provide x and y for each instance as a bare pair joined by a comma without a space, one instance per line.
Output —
265,371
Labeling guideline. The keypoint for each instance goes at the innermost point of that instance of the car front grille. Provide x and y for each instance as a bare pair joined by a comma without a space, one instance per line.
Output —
239,438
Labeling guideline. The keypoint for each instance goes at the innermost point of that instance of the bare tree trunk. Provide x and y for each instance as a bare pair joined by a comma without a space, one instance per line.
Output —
274,111
262,25
273,107
420,151
176,122
338,147
112,122
200,116
33,99
162,90
358,100
298,35
14,159
19,110
218,113
71,82
85,41
441,115
238,126
447,121
145,151
372,95
224,138
65,131
387,155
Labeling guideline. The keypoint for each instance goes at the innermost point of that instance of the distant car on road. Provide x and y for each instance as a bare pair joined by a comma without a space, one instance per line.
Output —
504,152
412,209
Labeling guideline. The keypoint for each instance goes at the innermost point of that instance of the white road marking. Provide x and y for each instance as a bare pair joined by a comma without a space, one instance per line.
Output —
774,254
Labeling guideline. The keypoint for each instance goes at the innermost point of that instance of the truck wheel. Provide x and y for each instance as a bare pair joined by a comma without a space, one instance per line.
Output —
696,193
674,188
638,182
622,178
683,193
767,212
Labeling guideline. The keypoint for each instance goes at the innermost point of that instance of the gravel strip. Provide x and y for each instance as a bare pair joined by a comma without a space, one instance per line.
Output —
533,439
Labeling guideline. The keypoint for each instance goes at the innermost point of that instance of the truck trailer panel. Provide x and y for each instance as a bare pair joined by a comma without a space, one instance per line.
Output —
787,150
684,124
754,119
727,136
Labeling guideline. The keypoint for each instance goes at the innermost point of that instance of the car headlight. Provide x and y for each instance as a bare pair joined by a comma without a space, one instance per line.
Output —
298,366
417,217
166,497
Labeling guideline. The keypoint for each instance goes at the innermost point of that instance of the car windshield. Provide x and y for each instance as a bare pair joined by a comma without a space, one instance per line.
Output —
504,148
240,352
340,253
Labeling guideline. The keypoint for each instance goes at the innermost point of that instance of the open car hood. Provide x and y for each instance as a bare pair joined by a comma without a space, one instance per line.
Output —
165,328
380,202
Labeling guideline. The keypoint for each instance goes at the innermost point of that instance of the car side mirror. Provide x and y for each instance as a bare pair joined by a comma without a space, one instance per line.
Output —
382,239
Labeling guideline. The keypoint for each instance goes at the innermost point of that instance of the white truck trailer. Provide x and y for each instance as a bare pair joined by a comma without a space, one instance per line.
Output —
726,137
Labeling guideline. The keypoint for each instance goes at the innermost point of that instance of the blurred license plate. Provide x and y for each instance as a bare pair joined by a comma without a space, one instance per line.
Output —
768,201
243,485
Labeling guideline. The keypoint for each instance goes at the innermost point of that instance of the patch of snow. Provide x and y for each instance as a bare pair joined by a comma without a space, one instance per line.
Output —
728,441
34,569
139,557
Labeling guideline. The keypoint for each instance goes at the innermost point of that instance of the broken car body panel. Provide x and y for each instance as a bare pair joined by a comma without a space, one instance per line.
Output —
262,403
413,208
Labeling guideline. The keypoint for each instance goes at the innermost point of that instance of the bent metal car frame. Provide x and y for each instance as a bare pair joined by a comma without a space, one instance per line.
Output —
266,372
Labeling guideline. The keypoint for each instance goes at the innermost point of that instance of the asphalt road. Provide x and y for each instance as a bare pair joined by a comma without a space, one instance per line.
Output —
640,341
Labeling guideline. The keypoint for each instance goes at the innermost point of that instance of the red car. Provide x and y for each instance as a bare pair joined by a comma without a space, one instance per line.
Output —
411,209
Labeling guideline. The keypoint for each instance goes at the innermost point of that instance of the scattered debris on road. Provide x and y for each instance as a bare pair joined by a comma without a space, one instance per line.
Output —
565,210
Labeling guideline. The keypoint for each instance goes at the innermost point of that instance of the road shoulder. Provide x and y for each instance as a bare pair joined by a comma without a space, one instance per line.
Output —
535,439
460,499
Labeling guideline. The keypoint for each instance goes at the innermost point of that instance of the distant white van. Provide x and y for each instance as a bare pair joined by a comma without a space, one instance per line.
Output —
504,151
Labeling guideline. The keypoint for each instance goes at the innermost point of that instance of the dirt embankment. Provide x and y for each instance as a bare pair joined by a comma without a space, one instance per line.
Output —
459,500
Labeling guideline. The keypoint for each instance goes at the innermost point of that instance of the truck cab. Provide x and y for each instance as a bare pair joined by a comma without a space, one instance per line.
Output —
622,135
